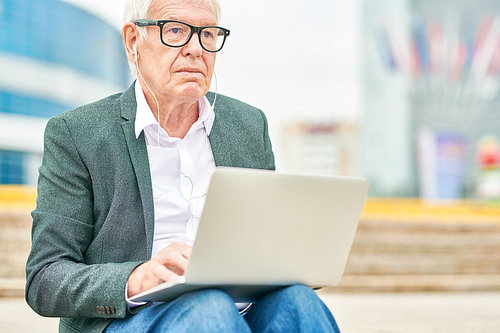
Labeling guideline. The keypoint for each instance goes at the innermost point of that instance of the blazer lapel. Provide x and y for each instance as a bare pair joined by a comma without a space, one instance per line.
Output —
220,146
218,138
139,156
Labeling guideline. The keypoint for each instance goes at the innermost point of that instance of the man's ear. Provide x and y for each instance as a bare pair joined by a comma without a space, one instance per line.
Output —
129,34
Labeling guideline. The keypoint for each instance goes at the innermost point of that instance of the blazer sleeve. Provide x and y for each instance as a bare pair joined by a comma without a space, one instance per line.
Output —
59,281
268,149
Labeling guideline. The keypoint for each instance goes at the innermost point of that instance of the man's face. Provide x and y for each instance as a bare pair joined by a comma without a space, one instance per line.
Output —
183,73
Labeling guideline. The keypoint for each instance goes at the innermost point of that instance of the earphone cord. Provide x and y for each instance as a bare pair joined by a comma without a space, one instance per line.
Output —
159,146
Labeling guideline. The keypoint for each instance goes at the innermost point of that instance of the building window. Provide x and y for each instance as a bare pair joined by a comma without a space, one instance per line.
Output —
30,106
11,167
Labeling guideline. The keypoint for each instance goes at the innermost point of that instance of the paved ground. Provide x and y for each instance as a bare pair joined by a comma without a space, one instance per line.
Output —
355,313
416,312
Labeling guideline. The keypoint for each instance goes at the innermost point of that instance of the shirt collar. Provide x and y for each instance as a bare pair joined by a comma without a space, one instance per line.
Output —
144,116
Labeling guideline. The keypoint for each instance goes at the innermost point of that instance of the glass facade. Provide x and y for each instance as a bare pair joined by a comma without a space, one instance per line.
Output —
12,167
58,38
31,106
56,32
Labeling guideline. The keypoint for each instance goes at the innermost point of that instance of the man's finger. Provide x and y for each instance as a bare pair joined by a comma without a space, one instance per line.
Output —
164,274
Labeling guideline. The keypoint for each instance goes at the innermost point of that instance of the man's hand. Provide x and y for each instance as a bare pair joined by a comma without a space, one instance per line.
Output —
170,263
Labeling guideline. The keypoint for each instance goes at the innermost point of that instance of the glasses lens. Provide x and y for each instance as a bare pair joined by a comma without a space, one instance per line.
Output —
175,34
212,38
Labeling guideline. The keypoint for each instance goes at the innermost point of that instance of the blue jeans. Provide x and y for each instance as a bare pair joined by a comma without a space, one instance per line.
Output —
292,309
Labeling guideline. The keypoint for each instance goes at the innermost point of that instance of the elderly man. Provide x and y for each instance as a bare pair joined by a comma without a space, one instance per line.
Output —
122,186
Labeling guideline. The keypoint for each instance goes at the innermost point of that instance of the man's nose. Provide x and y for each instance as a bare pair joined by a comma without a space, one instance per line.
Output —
193,47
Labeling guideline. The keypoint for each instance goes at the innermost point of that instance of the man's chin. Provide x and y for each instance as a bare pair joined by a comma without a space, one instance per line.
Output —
193,91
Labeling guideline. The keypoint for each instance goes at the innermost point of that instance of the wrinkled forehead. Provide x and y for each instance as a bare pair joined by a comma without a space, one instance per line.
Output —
158,5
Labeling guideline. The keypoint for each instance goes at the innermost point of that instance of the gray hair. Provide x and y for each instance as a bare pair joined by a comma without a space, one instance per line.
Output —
139,9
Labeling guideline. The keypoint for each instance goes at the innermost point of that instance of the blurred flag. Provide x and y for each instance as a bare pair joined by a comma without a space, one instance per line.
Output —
386,51
436,47
419,51
480,42
398,45
494,66
458,58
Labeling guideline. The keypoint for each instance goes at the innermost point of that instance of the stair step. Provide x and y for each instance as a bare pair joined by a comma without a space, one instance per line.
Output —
386,255
412,283
422,248
12,287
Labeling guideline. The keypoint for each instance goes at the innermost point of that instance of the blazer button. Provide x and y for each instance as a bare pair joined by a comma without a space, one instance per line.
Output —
100,309
112,309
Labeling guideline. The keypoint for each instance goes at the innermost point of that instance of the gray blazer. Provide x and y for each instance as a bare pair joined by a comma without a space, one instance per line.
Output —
94,219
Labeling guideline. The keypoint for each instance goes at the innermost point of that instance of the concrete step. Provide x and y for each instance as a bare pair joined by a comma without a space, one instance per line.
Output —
417,283
412,248
405,255
15,242
12,287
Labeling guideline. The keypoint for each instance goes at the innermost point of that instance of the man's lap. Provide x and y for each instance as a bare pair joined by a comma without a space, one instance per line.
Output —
292,309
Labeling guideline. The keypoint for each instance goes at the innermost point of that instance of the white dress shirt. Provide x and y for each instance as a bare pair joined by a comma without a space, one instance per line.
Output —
176,210
178,200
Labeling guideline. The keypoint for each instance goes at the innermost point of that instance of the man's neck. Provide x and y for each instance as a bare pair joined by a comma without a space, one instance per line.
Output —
175,117
177,122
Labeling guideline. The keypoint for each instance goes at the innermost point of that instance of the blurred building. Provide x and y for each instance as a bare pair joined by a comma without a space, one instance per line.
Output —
431,72
53,57
328,148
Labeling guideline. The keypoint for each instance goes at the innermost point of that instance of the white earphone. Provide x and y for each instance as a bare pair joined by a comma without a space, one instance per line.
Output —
191,197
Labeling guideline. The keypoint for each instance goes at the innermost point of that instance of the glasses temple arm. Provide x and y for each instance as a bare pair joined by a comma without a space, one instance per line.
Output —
145,22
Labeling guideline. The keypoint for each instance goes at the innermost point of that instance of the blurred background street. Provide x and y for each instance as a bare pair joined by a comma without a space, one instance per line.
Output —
412,268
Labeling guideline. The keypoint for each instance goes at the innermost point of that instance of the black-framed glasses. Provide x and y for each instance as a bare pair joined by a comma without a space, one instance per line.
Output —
178,34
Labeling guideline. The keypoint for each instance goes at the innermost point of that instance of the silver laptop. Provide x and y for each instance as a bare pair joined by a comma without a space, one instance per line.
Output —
264,230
